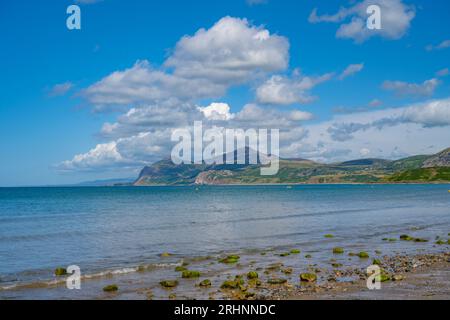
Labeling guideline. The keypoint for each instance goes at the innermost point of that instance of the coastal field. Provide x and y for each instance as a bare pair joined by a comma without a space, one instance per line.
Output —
226,242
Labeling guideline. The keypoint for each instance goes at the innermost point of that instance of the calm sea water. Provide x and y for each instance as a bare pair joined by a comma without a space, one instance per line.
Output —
119,227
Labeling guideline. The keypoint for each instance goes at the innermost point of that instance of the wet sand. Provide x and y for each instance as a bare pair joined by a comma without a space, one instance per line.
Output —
427,279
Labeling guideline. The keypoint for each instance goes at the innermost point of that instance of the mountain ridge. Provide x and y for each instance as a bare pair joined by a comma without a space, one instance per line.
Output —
420,168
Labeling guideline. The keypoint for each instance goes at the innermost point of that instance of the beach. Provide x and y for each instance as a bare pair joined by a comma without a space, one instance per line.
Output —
234,242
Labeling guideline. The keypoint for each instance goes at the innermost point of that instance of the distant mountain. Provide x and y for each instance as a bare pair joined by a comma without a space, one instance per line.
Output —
105,183
422,168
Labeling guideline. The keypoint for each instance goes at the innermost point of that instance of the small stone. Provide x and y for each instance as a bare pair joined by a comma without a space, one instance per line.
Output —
252,275
308,256
276,281
60,272
111,288
287,271
398,277
205,283
338,250
180,269
284,254
187,274
295,251
363,255
308,277
169,283
405,237
230,259
376,262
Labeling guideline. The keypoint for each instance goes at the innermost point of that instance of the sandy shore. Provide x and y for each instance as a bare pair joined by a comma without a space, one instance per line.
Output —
419,277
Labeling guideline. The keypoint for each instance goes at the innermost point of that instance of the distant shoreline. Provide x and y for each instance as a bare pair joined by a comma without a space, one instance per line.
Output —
239,184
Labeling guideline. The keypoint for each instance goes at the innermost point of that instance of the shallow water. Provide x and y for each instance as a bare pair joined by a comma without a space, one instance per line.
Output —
120,228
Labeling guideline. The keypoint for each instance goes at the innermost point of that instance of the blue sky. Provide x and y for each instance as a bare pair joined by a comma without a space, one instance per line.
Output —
59,88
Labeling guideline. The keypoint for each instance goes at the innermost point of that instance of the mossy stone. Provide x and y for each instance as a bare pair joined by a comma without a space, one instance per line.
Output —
440,242
205,283
363,255
252,275
398,277
329,236
338,250
376,262
111,288
230,259
308,277
287,271
189,274
60,272
383,277
276,281
295,251
180,269
230,284
284,254
169,283
405,237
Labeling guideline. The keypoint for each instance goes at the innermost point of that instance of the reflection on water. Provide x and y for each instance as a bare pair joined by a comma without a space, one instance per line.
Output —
103,229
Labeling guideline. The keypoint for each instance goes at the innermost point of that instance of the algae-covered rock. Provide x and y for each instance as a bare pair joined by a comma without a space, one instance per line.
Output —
376,261
440,242
165,254
287,270
205,283
352,254
295,251
111,288
383,277
141,268
363,255
397,277
405,237
276,281
60,272
230,284
172,296
252,275
230,259
284,254
308,277
188,274
336,265
308,256
329,236
169,283
180,269
420,240
338,250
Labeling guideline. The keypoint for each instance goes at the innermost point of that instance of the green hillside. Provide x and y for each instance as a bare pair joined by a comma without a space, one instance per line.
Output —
411,169
440,174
